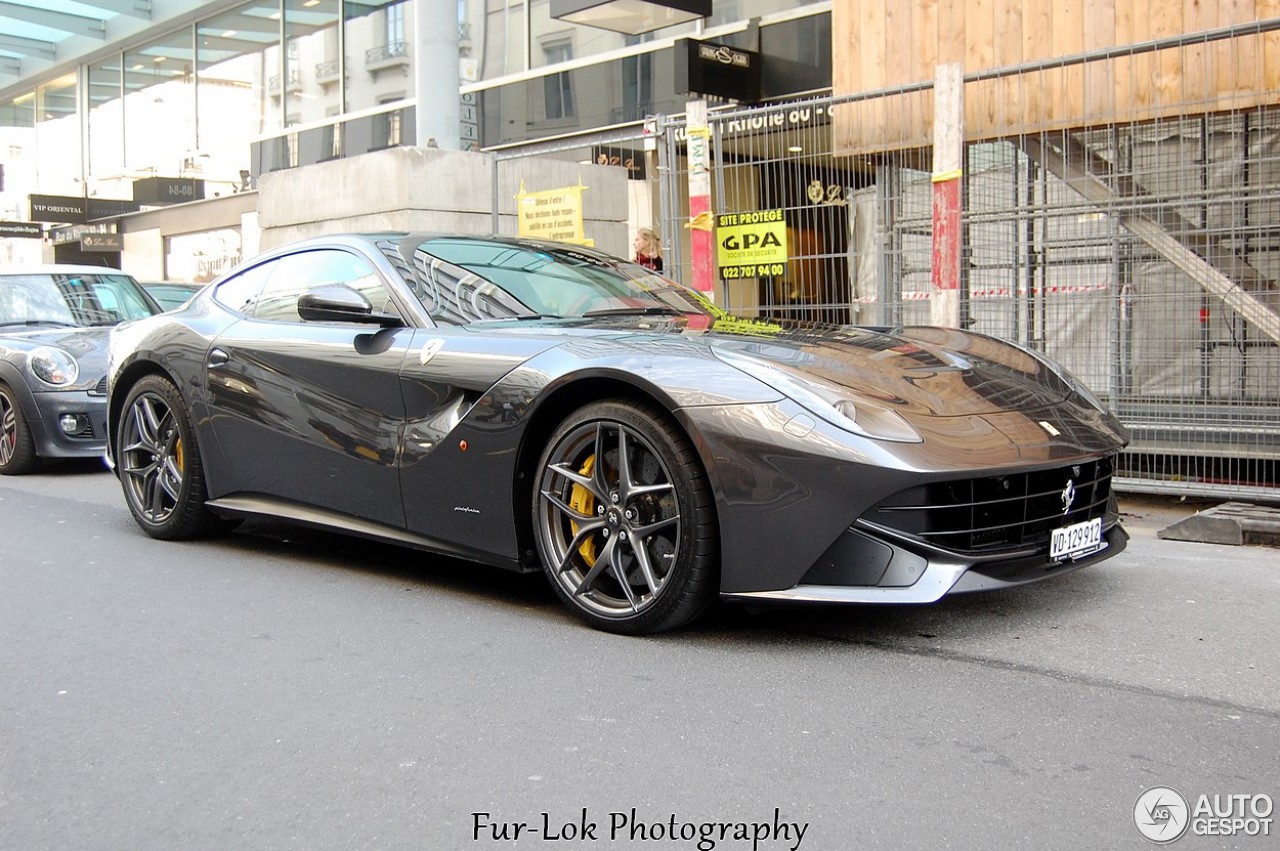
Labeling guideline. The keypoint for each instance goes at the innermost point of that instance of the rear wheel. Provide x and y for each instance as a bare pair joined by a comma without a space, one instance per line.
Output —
159,463
624,520
17,446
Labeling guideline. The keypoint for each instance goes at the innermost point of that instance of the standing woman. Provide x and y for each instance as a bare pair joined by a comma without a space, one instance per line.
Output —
648,251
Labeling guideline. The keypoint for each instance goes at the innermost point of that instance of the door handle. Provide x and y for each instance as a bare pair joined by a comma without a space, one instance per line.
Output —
217,357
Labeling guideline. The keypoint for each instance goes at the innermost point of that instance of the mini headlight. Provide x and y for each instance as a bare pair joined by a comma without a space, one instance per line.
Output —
54,366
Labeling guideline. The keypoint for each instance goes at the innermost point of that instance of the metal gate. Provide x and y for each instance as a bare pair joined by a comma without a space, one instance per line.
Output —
1144,255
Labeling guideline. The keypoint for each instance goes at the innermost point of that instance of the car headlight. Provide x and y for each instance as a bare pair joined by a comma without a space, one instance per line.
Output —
54,366
837,405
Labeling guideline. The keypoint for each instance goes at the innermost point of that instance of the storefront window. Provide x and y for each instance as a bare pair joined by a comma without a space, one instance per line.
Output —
585,41
379,60
106,128
159,107
57,138
311,37
240,84
201,257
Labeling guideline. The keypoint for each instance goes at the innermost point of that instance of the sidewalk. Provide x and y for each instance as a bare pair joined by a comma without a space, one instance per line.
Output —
1212,521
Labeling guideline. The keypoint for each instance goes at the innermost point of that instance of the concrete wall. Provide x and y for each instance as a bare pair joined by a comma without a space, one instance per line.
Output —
431,189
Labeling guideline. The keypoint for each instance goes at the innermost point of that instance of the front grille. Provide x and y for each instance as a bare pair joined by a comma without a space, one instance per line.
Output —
994,514
99,389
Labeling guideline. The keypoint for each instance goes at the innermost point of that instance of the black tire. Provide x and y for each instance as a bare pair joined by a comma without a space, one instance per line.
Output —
629,547
159,463
17,446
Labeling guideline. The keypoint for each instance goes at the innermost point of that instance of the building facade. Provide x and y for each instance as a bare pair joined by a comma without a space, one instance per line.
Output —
1119,166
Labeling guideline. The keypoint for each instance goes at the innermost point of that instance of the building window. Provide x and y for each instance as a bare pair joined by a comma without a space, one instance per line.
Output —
395,23
388,124
558,88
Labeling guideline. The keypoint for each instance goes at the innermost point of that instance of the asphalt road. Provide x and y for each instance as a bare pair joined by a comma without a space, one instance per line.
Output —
281,689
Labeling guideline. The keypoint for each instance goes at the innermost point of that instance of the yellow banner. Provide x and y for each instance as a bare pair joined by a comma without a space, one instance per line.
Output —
752,244
554,214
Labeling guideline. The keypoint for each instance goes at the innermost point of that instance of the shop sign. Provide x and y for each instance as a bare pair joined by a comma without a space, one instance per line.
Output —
632,161
21,230
751,244
76,233
105,208
101,242
158,191
762,121
711,68
58,208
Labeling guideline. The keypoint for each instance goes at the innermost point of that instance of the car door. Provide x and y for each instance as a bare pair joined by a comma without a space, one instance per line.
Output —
311,411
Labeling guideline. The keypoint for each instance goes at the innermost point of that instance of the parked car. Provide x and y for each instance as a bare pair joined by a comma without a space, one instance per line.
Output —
171,294
54,324
542,406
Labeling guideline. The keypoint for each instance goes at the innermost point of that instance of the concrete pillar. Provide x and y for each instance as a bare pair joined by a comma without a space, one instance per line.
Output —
435,75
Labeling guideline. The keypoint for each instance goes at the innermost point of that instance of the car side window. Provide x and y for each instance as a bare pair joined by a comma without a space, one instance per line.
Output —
239,291
455,296
298,273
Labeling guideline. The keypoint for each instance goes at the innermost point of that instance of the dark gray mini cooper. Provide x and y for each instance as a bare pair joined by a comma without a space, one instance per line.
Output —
54,324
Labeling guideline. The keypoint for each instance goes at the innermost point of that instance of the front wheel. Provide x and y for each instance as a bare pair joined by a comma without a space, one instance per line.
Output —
159,463
17,446
624,520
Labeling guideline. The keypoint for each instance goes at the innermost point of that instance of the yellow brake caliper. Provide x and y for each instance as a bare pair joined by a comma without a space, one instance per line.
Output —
582,501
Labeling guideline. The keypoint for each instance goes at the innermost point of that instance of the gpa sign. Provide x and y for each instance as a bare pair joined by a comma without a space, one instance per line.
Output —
751,245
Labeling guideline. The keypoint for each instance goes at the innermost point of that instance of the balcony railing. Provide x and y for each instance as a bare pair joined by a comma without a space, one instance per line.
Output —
295,81
386,53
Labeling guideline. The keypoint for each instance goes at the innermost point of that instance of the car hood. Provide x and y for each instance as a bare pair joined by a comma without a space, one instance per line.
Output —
87,345
919,371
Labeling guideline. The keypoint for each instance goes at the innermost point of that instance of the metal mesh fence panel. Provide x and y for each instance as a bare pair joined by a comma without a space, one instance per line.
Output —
1136,240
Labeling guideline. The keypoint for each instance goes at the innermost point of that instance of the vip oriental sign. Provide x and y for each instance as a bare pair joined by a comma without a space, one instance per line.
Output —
555,214
750,245
69,209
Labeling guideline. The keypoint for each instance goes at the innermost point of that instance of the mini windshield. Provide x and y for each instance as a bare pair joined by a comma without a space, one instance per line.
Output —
71,300
461,280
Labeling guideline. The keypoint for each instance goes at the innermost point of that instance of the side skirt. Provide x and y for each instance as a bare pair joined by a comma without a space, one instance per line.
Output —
256,505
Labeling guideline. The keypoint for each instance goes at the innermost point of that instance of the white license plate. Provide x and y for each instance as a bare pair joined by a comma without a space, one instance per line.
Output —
1076,540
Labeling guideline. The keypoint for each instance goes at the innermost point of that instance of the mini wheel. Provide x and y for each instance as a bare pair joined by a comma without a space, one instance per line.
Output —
17,446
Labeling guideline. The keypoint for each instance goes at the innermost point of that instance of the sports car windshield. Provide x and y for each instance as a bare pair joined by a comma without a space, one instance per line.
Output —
70,300
461,280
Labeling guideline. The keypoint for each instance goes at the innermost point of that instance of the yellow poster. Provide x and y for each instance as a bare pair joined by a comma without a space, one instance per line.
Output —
751,244
553,214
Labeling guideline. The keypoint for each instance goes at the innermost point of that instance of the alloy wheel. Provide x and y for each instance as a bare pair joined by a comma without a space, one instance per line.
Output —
152,457
609,519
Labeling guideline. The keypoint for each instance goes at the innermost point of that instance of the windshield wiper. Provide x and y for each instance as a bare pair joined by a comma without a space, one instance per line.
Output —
29,322
523,317
651,310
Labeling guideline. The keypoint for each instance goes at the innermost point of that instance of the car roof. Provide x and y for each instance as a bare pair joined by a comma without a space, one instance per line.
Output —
60,269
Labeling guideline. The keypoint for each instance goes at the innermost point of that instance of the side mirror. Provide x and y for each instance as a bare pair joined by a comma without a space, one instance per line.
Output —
336,303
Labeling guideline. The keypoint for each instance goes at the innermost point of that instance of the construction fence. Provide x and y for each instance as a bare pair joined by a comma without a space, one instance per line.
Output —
1143,251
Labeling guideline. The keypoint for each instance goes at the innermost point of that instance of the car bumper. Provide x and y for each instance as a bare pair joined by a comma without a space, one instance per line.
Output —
914,575
52,441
